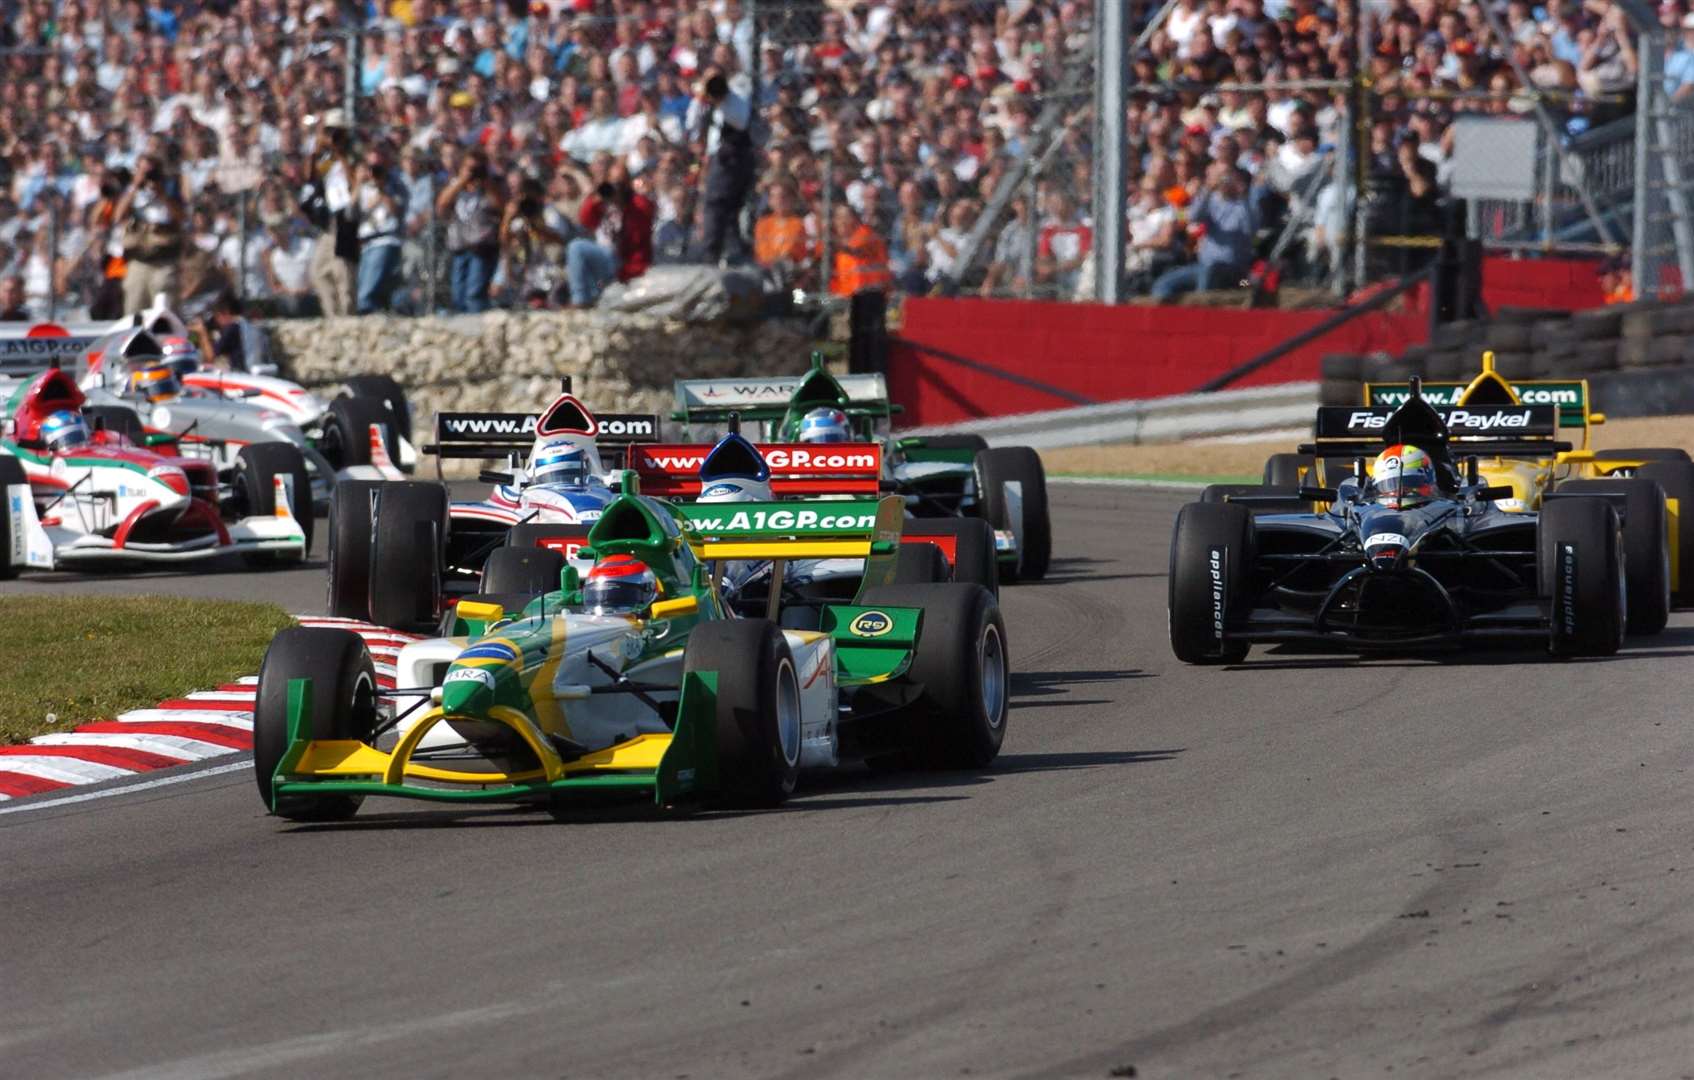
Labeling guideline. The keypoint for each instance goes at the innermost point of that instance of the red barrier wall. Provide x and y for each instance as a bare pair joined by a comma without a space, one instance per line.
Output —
1102,353
1566,284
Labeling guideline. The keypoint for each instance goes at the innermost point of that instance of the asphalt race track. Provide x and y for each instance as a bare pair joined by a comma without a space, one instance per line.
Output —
1302,867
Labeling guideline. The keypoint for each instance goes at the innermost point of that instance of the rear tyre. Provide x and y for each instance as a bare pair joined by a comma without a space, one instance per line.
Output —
522,571
1581,577
997,468
346,431
1210,567
920,564
962,664
385,391
351,524
343,707
1285,470
1677,479
974,560
1646,547
256,467
11,473
410,540
757,720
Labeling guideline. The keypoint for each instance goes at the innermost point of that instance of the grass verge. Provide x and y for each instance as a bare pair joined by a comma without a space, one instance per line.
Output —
82,658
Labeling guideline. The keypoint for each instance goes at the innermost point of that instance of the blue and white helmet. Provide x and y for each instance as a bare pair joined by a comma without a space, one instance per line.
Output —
64,430
560,462
734,471
825,426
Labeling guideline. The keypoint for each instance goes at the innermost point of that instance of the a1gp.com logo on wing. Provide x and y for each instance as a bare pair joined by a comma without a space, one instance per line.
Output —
784,458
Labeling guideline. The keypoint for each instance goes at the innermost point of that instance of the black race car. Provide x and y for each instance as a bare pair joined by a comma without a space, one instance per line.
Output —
1332,565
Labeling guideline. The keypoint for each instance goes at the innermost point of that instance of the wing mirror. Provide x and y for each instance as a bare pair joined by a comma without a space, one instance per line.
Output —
674,609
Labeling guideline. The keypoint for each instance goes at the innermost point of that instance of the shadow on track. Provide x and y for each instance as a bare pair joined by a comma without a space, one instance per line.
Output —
1074,568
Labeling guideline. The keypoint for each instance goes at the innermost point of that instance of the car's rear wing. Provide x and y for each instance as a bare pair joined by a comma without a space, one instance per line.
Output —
23,356
849,529
1568,396
767,400
1346,430
797,469
491,434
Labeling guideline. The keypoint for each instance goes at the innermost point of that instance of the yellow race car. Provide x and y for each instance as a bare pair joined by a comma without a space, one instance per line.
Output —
1653,487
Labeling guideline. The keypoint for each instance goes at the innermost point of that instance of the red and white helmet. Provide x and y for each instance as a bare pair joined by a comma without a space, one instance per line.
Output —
619,585
1403,477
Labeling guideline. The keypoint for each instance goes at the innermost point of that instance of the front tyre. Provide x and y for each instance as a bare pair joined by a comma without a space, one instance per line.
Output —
1581,577
256,468
351,523
1020,465
757,720
1677,480
410,541
344,700
1646,547
1210,567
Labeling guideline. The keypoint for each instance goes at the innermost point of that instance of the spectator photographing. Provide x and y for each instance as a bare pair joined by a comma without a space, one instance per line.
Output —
471,204
380,202
722,120
621,248
1226,221
153,219
327,201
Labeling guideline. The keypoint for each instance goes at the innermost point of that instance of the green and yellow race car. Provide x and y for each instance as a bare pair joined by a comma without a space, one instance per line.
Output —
640,678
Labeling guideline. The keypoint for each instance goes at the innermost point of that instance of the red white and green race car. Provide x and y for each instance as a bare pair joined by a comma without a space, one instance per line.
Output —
74,497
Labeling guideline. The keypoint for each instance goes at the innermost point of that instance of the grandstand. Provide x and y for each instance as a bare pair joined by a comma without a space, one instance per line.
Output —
921,116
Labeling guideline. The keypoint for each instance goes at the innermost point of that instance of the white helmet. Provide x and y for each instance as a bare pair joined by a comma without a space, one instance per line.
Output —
826,425
560,462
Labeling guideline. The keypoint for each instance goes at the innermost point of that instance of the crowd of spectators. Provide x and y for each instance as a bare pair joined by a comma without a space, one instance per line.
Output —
538,151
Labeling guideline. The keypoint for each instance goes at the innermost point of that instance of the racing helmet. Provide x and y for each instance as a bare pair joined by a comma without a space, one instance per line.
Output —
180,353
825,426
619,585
64,430
559,462
156,382
1403,477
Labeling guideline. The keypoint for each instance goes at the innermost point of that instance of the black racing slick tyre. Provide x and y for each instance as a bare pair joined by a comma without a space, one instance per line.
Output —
999,467
1646,547
11,475
920,564
346,431
383,389
974,560
1579,551
1677,480
757,722
1289,470
344,697
1210,568
256,467
410,539
525,571
351,524
962,664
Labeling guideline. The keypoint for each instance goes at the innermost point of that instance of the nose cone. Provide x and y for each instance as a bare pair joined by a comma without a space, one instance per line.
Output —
468,691
476,679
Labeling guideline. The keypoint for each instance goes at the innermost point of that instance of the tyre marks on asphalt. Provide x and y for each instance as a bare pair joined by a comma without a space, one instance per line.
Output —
178,731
